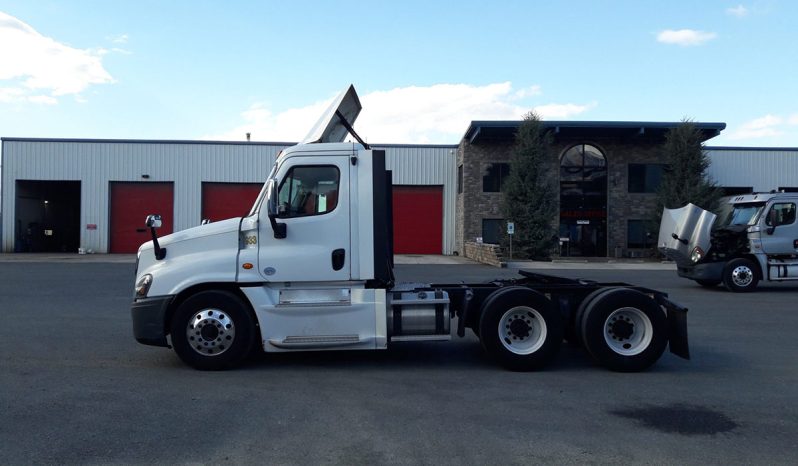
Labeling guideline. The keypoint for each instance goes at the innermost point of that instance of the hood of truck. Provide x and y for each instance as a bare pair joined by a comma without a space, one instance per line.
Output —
681,230
199,232
204,254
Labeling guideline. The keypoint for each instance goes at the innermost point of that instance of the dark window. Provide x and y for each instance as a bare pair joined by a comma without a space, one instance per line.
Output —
645,177
492,230
636,234
736,190
788,189
495,174
309,190
460,179
782,213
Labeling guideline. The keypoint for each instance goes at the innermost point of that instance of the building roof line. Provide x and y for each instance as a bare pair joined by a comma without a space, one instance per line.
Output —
187,141
760,149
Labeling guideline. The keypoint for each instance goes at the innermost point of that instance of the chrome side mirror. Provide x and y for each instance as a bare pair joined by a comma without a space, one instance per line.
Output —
154,221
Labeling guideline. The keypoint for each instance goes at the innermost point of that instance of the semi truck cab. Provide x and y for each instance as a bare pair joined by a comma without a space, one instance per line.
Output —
753,238
311,268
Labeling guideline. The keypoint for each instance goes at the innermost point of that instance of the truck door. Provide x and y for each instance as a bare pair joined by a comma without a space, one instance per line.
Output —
780,235
313,203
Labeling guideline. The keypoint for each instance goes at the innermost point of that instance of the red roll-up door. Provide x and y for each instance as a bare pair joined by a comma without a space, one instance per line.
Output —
227,200
130,205
418,219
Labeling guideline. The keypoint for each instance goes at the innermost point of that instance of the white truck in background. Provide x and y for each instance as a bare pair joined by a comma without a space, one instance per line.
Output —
754,238
311,268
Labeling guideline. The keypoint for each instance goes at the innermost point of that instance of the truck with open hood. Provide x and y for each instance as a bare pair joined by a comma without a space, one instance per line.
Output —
310,268
753,238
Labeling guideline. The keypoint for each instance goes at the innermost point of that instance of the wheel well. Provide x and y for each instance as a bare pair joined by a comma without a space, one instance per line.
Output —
755,261
192,290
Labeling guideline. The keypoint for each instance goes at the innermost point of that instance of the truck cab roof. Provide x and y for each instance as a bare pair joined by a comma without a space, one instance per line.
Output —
759,197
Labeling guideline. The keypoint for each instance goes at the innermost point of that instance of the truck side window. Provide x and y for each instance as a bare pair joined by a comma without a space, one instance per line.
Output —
308,190
782,214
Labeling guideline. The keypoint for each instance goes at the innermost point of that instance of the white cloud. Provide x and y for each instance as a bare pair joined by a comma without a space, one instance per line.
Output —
562,111
119,39
37,64
438,114
739,11
767,126
685,37
793,119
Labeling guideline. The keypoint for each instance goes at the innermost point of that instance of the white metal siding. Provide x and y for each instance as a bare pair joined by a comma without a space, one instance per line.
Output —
95,164
428,165
762,169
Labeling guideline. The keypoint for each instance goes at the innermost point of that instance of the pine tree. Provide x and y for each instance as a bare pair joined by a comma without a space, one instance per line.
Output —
685,179
530,194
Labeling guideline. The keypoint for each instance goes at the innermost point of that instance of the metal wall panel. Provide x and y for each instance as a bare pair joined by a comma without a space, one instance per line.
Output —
96,163
428,165
762,169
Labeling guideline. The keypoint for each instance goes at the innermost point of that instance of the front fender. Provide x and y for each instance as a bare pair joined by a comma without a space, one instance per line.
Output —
180,271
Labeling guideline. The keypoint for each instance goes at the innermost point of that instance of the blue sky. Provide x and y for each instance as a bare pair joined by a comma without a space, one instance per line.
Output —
216,70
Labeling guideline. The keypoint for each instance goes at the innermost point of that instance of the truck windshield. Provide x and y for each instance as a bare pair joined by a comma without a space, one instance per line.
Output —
744,214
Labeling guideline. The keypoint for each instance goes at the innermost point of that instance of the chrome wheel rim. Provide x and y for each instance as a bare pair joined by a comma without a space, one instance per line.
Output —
628,331
210,332
742,276
522,330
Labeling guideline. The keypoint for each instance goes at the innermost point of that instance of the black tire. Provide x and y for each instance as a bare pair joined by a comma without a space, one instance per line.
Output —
740,275
624,330
573,333
708,283
531,333
224,336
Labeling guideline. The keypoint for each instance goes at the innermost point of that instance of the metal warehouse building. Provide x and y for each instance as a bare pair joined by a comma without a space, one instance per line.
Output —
64,194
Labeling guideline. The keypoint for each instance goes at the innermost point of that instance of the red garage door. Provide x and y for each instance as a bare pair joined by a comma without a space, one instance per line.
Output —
130,205
417,219
228,200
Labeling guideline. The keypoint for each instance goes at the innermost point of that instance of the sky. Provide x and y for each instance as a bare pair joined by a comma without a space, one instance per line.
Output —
216,70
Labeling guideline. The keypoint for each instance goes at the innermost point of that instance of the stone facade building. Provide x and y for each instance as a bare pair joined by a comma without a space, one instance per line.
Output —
607,173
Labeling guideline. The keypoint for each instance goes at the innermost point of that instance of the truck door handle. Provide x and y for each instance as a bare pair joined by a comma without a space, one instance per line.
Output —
141,230
338,259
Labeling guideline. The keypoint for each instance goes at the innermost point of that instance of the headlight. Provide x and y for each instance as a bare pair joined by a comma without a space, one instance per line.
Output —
697,254
143,286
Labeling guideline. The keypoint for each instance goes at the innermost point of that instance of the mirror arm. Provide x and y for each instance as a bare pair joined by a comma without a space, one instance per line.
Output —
160,253
278,228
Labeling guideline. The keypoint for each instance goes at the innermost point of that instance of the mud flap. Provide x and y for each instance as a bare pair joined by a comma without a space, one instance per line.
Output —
677,327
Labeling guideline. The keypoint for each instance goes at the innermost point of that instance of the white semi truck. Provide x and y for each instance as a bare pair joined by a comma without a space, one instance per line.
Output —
754,238
311,268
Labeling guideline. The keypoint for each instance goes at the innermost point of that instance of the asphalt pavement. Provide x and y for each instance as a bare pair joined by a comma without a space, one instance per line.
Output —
75,387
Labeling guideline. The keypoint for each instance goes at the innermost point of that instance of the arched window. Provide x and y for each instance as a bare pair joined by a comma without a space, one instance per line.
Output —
583,200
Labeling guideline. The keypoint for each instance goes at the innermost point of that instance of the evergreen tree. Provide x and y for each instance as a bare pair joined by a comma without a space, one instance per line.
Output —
685,179
530,194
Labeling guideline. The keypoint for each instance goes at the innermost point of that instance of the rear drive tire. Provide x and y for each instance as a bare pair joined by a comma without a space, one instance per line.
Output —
740,275
624,330
573,334
213,330
520,329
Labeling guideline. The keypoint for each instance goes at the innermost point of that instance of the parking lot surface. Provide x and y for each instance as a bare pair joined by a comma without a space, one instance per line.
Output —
76,388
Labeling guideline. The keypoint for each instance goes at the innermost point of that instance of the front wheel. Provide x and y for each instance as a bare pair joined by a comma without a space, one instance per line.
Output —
740,275
520,329
624,330
212,330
